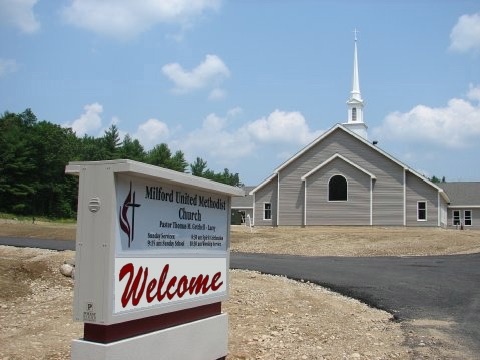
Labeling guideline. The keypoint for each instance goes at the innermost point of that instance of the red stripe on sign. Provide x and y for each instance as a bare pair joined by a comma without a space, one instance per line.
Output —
109,333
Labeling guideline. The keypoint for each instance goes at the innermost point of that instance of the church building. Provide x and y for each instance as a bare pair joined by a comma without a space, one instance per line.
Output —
341,178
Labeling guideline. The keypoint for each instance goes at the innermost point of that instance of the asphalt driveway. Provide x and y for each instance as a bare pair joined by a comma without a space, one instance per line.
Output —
427,287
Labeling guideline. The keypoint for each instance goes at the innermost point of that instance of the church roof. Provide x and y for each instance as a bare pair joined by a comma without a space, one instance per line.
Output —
359,138
462,194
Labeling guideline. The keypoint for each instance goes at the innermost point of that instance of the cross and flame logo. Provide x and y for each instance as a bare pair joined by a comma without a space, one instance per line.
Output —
123,215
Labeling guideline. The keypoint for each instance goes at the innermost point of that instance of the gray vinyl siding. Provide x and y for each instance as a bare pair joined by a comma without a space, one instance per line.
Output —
475,217
267,194
388,187
418,190
354,211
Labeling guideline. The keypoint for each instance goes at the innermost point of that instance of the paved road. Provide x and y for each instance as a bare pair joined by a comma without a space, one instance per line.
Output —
39,243
434,287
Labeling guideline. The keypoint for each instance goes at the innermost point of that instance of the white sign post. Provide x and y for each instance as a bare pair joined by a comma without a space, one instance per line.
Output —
152,259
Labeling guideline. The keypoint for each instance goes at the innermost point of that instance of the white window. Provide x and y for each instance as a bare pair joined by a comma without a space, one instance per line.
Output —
267,211
467,217
421,211
354,114
456,217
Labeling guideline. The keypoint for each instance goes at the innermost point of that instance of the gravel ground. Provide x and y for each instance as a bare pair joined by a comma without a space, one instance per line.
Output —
271,317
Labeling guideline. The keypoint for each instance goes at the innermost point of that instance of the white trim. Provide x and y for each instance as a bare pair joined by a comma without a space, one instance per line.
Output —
438,211
263,210
305,205
254,208
241,207
278,200
371,202
333,157
464,206
404,197
263,183
471,217
426,208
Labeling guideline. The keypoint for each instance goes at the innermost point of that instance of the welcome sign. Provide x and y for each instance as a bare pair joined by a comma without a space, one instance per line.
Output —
149,241
148,282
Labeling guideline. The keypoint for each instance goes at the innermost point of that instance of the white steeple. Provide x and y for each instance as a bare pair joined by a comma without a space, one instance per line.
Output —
355,103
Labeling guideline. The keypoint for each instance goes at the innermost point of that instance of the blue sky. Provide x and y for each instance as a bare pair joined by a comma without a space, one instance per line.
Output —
246,84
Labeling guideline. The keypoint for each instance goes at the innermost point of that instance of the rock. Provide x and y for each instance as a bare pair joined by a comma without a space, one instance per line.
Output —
67,270
70,261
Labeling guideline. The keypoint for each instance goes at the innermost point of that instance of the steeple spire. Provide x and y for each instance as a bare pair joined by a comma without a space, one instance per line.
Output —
355,103
355,94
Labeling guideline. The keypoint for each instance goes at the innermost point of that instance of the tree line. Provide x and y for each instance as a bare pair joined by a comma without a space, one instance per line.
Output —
33,156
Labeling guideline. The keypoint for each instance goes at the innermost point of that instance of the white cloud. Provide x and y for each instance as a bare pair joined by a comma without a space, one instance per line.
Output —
19,13
465,35
126,18
217,94
235,111
215,142
474,93
210,73
7,66
151,133
457,125
281,126
90,122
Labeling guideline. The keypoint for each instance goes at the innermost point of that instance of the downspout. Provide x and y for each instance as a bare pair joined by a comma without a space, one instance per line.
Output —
438,210
305,204
278,199
254,207
371,201
404,197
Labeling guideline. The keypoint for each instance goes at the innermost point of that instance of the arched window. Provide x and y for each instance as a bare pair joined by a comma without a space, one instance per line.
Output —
337,188
354,114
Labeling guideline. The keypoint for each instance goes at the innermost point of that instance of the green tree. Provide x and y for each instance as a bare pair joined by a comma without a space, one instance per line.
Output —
28,118
177,162
111,142
33,156
90,149
16,166
132,149
54,148
435,179
198,167
159,155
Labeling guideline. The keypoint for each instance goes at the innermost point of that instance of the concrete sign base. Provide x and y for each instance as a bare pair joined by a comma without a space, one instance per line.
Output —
199,340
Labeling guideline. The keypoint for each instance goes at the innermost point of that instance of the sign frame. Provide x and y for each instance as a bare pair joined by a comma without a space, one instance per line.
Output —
98,234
